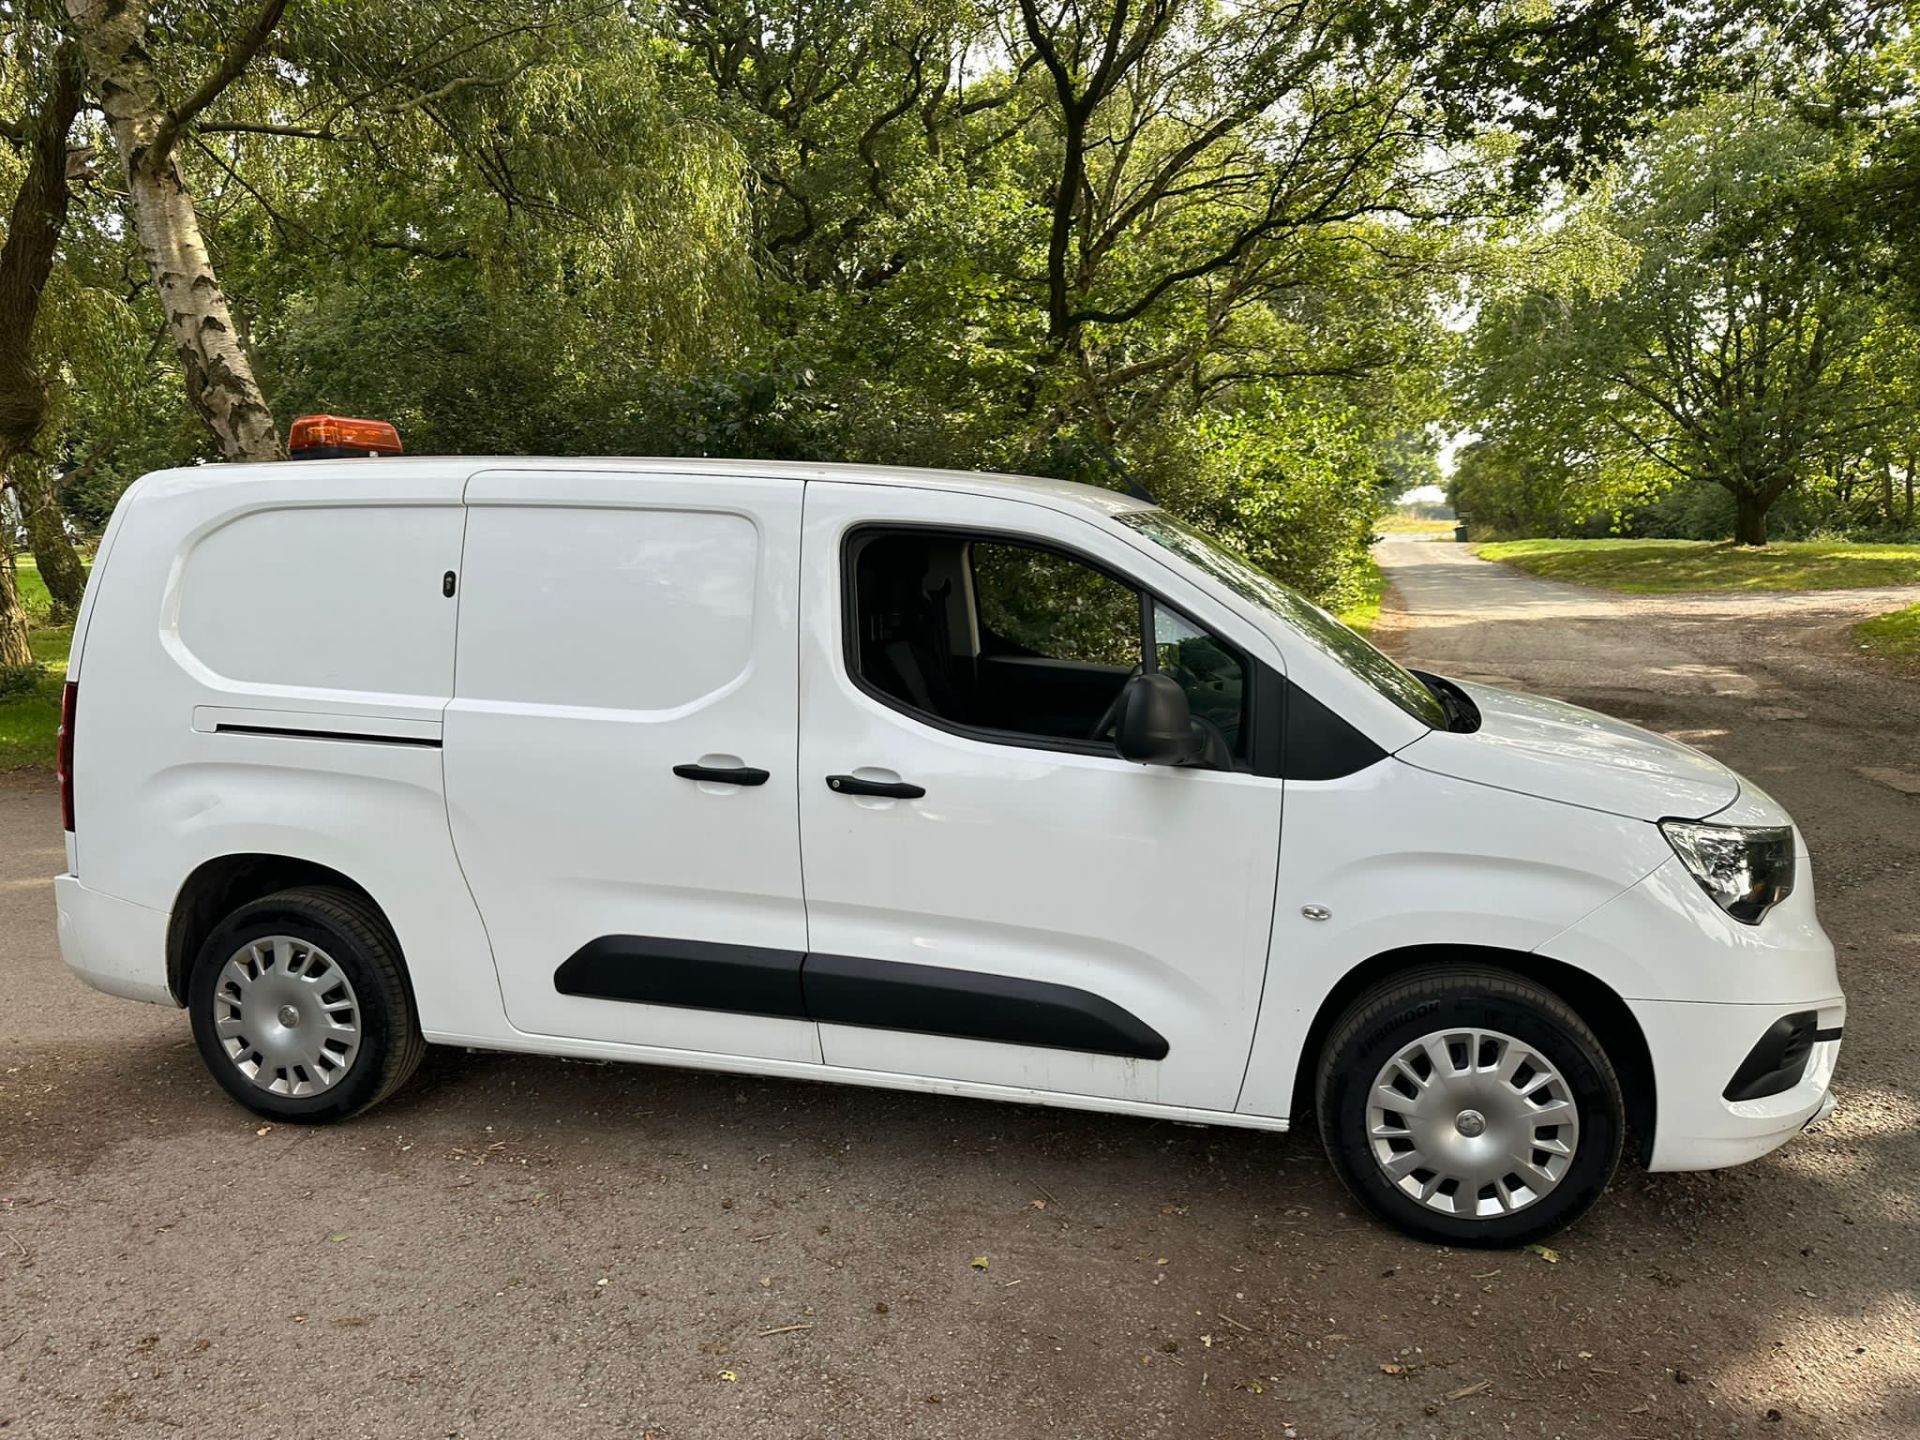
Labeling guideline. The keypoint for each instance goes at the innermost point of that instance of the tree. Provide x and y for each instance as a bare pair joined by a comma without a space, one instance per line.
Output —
1209,247
26,260
1730,352
118,38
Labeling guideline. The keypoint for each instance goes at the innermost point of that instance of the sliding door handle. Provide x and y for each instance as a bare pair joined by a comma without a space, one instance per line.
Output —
722,774
885,789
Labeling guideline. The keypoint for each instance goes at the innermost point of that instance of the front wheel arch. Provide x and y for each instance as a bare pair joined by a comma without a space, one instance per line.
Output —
1592,999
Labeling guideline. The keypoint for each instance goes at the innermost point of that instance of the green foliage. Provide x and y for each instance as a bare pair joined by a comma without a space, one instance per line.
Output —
18,680
30,717
33,590
1295,487
1055,606
1658,567
1217,254
1369,589
1693,326
30,694
1895,636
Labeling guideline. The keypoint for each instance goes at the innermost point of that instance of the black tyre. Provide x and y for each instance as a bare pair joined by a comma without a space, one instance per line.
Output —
1469,1106
301,1008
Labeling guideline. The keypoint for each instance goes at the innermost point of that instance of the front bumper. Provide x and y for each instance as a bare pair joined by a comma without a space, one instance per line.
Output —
114,945
1705,989
1697,1048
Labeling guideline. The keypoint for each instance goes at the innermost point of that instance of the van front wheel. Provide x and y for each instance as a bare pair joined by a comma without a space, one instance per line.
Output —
300,1007
1469,1106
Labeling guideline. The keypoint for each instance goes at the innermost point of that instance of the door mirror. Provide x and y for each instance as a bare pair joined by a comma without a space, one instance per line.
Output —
1155,725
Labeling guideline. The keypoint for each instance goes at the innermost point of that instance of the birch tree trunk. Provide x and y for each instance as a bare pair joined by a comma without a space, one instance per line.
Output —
219,379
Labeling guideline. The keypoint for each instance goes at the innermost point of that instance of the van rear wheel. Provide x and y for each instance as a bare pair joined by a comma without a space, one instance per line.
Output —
300,1007
1469,1106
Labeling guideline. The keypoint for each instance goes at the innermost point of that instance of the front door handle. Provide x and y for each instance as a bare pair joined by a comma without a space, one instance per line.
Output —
722,774
885,789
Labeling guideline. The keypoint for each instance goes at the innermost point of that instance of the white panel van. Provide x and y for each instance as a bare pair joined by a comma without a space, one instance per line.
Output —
959,783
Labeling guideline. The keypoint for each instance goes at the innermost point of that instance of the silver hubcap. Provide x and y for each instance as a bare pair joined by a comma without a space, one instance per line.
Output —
1472,1123
287,1016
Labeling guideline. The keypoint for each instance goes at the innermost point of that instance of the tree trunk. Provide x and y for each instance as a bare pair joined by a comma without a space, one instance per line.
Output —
15,653
34,224
60,568
1749,519
220,381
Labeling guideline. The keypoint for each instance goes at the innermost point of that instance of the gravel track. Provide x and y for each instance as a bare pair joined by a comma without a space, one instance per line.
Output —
518,1246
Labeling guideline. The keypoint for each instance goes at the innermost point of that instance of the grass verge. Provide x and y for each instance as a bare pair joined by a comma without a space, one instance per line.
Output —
29,719
1895,636
1392,524
1653,567
1363,612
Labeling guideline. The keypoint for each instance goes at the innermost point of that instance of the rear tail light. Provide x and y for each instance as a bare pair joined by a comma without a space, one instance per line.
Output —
69,704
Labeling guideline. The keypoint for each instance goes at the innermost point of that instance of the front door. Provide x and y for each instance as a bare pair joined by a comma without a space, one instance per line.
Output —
993,895
620,756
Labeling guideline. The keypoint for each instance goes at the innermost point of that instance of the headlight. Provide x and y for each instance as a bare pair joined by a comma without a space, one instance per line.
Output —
1747,869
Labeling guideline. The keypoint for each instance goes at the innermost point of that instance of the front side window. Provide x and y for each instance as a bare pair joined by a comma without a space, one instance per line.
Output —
1025,642
1214,677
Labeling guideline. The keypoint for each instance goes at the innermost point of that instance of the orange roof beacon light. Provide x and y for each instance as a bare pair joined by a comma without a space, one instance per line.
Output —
339,437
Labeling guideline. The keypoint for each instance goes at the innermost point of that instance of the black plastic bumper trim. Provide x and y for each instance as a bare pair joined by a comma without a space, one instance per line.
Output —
1778,1060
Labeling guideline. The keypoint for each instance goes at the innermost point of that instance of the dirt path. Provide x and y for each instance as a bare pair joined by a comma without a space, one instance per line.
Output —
525,1247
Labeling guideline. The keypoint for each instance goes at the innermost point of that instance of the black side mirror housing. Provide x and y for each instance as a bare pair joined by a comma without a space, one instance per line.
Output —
1155,724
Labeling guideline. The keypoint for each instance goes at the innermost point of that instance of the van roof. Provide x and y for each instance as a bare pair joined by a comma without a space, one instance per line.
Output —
979,482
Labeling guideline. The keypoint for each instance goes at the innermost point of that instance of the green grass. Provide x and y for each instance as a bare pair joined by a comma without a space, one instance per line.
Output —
1363,612
29,719
33,590
1651,567
1394,524
1896,636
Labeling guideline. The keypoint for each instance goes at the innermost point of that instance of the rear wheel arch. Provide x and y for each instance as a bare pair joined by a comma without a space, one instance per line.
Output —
1597,1004
219,886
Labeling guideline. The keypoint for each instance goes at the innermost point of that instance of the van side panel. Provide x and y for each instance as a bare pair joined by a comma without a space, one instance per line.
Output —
618,642
259,631
345,607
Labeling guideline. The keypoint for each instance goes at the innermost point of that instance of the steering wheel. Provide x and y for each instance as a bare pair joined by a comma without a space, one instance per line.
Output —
1112,712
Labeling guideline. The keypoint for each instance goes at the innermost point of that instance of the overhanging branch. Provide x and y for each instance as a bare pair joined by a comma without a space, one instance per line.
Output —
233,62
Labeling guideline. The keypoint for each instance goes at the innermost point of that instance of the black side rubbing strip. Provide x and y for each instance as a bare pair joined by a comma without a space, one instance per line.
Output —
844,990
929,1000
424,742
744,979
